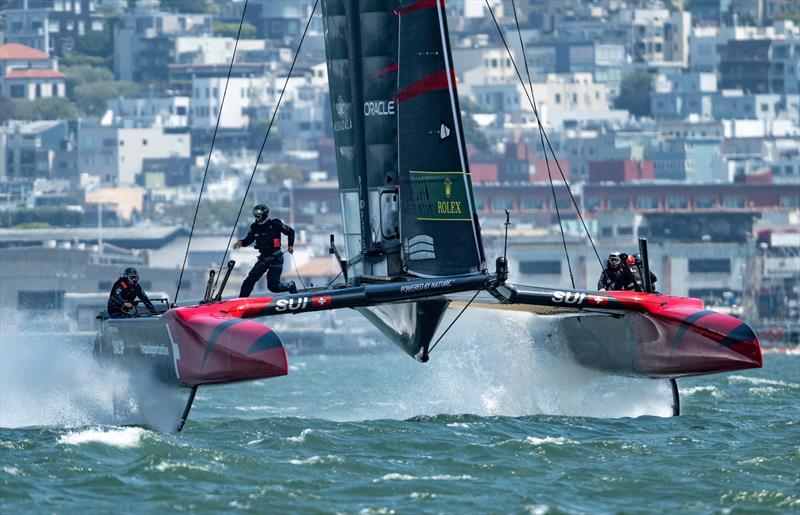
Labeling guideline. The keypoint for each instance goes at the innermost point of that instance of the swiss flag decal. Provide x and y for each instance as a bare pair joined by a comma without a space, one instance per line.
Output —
321,301
597,300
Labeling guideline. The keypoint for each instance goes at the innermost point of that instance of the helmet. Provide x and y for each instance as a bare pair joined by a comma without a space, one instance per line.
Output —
131,274
260,211
631,260
614,259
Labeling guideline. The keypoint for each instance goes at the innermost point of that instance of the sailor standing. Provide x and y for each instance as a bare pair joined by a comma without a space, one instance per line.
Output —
266,232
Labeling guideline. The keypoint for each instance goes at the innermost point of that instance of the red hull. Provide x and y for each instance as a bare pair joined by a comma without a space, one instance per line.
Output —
677,337
215,346
637,334
645,335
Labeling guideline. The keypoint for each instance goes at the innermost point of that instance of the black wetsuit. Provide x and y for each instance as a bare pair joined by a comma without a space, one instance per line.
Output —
636,271
125,291
267,237
615,279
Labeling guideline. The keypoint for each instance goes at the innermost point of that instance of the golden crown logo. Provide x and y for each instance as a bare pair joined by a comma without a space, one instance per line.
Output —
448,187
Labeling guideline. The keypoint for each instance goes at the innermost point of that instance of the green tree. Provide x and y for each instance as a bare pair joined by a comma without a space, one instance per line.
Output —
212,214
280,172
53,108
6,108
257,130
231,29
95,43
92,98
50,216
186,6
84,74
77,59
634,94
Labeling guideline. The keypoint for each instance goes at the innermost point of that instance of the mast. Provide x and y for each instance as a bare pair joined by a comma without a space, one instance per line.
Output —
352,13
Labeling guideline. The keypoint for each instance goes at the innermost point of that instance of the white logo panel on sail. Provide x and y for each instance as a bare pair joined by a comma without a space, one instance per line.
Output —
444,131
420,247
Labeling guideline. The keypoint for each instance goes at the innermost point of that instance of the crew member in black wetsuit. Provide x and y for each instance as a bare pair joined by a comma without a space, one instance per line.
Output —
266,233
124,293
636,267
614,277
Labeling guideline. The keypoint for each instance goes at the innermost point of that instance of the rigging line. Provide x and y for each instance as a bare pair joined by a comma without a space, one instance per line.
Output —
297,272
348,266
210,151
453,322
544,149
546,137
266,135
333,280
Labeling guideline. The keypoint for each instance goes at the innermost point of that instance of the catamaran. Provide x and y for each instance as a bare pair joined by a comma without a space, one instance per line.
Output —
412,239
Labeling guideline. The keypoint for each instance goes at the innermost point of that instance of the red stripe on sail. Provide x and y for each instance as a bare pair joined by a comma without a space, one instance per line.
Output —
420,4
433,82
392,67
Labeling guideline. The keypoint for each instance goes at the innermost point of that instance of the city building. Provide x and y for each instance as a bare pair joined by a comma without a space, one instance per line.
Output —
116,154
660,36
745,65
170,112
52,26
44,149
682,95
144,41
29,74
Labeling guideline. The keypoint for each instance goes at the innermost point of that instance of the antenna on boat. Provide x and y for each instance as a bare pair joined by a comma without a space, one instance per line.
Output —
505,237
231,264
209,285
648,284
501,264
342,262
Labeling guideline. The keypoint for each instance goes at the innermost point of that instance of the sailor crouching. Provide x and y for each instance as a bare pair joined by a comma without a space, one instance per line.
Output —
614,277
623,272
124,293
266,232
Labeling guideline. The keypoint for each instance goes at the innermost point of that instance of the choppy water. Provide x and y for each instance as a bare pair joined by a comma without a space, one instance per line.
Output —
381,433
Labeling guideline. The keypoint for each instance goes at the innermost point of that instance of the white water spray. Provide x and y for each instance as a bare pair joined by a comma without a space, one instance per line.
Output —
500,363
50,379
504,363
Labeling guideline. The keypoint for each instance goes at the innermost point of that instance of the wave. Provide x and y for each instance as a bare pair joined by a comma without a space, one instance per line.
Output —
550,440
760,381
395,476
123,438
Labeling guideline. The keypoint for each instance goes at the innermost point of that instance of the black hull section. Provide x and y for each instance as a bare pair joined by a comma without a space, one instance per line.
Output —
142,348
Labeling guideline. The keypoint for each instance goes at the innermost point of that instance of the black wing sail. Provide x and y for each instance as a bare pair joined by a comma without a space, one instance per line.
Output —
439,229
406,192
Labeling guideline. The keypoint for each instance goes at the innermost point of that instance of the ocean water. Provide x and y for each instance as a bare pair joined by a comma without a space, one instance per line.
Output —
492,427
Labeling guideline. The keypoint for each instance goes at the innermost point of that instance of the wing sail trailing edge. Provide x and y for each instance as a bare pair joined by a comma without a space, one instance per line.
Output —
438,226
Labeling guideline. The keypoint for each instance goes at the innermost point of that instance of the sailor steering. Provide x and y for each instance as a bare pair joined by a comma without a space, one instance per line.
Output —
124,293
266,232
